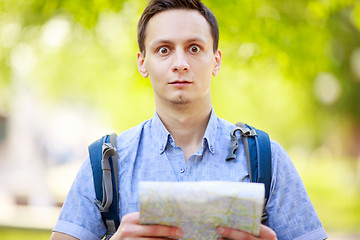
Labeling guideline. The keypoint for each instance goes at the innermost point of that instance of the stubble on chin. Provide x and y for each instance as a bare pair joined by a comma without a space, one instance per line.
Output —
180,101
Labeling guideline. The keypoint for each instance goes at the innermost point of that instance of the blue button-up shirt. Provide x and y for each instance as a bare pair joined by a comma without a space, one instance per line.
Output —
148,153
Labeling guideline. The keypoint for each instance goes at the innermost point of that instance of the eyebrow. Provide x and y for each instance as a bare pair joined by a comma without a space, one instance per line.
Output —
169,42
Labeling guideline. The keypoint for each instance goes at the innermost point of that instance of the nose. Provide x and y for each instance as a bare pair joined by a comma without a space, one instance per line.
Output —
180,63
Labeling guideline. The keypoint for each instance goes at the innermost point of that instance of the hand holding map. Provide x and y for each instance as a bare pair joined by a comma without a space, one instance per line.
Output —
200,207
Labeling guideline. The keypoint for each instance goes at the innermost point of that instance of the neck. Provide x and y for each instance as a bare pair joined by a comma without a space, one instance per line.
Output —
187,125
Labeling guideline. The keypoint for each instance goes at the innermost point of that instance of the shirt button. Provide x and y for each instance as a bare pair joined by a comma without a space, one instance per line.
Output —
182,170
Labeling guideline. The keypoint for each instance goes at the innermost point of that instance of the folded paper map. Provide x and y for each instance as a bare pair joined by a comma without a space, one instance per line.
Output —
198,208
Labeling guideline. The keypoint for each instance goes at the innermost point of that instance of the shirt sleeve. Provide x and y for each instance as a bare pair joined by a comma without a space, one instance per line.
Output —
290,212
80,216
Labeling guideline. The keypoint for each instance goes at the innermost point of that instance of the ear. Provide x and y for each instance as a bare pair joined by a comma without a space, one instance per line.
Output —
217,64
141,65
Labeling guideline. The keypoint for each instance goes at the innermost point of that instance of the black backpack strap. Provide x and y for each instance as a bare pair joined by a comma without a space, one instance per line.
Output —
103,159
258,156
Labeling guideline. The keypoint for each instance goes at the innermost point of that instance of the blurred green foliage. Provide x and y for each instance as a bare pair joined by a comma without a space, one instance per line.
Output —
330,185
286,64
28,234
290,67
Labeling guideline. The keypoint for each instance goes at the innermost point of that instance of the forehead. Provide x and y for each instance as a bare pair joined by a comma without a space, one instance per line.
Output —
177,25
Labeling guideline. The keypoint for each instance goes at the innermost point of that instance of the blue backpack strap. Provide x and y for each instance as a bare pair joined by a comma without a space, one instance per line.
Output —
258,156
103,159
259,145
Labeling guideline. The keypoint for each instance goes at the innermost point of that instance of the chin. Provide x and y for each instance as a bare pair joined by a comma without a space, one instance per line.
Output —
180,101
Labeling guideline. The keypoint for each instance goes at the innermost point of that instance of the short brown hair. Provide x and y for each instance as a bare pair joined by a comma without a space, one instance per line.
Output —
157,6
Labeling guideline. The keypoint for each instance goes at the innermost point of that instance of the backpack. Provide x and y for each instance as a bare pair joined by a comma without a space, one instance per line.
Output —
104,160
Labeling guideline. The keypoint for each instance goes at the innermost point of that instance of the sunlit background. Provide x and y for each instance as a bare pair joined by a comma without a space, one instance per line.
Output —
68,76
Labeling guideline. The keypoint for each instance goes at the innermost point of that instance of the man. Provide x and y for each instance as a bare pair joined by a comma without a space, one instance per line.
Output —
185,140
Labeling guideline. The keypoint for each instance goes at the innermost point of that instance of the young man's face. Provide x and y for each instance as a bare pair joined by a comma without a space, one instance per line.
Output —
179,58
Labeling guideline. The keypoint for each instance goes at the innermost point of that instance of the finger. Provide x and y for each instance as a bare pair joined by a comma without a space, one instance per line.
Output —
130,227
131,218
151,231
226,232
266,233
223,238
148,238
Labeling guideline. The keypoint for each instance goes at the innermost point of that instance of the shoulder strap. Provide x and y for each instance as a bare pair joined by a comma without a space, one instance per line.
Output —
103,158
258,155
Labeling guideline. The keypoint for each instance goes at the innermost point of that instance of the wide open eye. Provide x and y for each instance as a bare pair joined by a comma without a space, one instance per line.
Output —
194,49
163,50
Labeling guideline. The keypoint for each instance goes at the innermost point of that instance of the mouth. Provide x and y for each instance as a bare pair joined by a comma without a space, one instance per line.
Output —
180,82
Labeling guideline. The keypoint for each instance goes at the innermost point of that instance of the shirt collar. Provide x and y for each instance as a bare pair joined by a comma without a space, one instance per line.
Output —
210,132
161,135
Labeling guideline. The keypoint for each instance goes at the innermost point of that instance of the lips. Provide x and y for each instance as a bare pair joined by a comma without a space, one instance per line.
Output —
180,82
